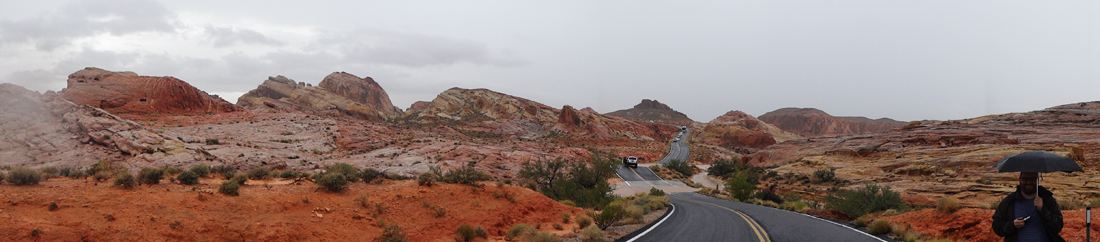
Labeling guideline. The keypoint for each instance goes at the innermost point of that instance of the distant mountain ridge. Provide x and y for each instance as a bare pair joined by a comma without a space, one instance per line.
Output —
652,110
812,122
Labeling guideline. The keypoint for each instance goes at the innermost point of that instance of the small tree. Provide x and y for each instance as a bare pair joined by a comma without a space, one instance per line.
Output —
609,216
739,187
229,188
188,177
23,176
349,172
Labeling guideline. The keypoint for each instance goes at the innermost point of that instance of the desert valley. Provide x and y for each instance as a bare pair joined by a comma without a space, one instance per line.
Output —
80,140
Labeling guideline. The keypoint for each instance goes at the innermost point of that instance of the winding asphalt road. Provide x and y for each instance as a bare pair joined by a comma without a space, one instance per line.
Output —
696,217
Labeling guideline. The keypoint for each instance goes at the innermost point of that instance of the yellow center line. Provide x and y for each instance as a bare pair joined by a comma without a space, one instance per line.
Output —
640,176
761,234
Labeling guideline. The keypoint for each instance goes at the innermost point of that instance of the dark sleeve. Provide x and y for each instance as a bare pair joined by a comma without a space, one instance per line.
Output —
1002,219
1052,215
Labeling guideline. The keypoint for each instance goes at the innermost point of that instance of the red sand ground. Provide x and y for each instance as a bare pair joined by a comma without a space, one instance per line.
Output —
973,224
281,212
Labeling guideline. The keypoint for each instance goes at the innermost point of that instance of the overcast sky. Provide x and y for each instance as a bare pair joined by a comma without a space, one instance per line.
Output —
906,60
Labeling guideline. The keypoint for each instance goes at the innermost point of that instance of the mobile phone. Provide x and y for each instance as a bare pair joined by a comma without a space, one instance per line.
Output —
1026,218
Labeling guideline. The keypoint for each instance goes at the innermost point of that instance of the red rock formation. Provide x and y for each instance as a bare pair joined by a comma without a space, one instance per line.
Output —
569,117
652,111
127,92
738,130
813,123
362,90
418,106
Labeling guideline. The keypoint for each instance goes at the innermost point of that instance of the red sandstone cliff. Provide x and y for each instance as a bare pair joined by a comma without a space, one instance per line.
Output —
737,130
813,123
339,94
126,92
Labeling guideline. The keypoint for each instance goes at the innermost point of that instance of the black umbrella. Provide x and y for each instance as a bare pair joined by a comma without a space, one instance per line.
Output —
1037,161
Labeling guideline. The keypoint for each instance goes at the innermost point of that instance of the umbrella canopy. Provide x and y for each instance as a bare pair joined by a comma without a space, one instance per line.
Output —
1037,161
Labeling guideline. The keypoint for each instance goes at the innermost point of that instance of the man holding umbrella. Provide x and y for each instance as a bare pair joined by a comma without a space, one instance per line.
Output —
1031,213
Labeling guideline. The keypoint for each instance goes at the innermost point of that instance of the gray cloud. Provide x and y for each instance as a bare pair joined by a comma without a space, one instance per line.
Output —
230,36
410,49
86,18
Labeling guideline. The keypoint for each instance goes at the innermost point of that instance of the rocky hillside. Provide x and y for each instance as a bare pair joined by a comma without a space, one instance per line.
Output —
338,94
814,123
953,158
126,92
47,130
742,132
493,112
652,111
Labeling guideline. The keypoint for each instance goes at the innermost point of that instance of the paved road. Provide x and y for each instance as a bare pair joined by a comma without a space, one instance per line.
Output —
642,174
678,150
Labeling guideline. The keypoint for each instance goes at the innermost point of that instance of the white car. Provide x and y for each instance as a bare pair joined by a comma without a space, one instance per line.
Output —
631,162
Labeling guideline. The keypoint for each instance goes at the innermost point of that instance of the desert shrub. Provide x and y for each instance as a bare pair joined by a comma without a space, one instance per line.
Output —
369,174
397,177
1,177
23,176
172,170
392,232
240,179
425,179
825,175
520,231
259,173
1070,204
102,176
863,221
609,216
149,175
1095,203
739,186
465,175
727,168
593,234
868,199
565,218
224,169
543,236
797,206
102,166
332,182
568,202
230,188
769,196
49,172
467,232
125,180
288,174
188,177
584,184
349,172
201,170
948,204
879,227
72,173
653,191
633,214
584,221
213,141
682,167
890,212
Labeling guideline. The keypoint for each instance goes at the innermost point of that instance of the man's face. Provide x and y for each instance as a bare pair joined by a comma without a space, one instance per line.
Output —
1027,181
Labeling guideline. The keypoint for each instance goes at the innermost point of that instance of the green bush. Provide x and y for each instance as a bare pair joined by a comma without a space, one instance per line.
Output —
72,173
584,221
259,173
466,175
369,174
125,180
653,191
289,174
739,186
682,167
201,170
948,204
172,170
49,172
727,168
879,227
149,176
825,175
332,182
583,183
349,172
425,179
392,232
863,221
240,179
611,214
188,177
868,199
467,233
565,218
224,169
543,236
593,234
520,231
23,176
230,188
769,196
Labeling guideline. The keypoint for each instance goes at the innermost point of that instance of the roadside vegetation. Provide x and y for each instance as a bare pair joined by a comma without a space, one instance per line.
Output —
582,183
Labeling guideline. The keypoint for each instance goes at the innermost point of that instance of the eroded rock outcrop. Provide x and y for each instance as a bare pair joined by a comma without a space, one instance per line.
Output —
652,111
339,94
813,123
740,131
126,92
41,130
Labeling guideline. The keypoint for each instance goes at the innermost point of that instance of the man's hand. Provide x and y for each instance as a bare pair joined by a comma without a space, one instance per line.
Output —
1038,203
1019,222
